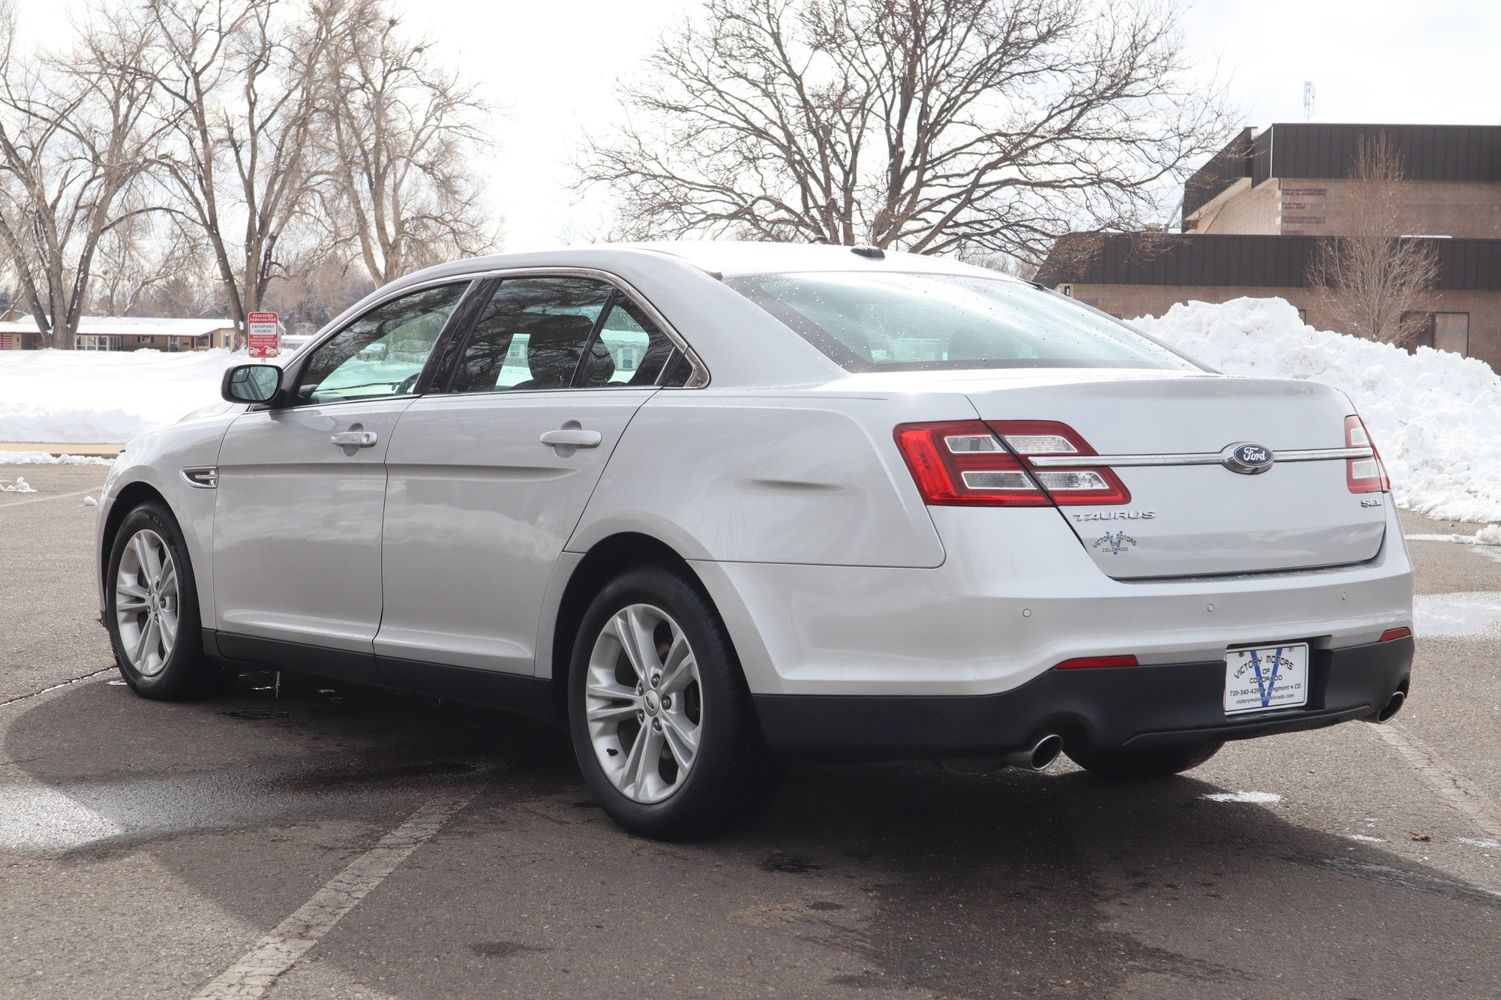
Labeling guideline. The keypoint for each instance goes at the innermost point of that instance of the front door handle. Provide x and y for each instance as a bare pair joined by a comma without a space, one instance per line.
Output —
572,437
355,439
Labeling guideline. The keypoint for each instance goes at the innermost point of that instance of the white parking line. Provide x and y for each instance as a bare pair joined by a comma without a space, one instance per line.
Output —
50,496
1451,786
259,968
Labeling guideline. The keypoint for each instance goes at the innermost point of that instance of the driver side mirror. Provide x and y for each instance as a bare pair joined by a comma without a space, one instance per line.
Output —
251,383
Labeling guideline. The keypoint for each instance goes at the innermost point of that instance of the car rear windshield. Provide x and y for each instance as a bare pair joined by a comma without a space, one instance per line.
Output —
868,321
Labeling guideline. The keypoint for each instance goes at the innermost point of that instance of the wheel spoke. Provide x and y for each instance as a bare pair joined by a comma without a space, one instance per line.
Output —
631,771
635,639
151,568
167,626
168,583
682,741
131,588
126,603
679,666
144,643
612,713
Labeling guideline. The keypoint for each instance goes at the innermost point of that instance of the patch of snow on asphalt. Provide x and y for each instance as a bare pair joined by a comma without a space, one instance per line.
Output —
1485,842
1461,614
1433,414
1365,839
1255,798
19,486
42,458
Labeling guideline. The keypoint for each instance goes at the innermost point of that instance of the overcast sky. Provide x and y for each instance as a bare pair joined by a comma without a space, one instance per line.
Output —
550,67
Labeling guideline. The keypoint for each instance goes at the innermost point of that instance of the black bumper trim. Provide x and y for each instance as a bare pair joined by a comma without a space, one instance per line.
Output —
1107,707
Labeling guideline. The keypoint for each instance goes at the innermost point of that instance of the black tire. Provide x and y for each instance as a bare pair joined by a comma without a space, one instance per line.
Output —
1145,762
731,771
185,673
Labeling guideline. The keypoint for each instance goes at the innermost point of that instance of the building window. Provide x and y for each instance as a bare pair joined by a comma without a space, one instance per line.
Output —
1451,332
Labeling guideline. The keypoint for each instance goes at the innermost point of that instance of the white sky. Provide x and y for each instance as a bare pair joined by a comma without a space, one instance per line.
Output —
550,67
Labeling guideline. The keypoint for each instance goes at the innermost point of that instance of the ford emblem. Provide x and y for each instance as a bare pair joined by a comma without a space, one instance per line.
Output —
1247,459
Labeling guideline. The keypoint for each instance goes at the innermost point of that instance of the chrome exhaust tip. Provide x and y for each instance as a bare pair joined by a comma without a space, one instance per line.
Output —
1039,755
1392,707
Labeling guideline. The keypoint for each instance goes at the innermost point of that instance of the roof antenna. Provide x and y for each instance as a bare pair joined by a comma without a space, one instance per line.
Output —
870,252
1308,100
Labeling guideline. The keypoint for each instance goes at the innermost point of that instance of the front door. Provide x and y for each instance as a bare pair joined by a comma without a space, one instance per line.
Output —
487,481
297,522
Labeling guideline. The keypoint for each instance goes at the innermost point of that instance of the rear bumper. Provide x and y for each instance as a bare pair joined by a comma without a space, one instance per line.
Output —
1163,703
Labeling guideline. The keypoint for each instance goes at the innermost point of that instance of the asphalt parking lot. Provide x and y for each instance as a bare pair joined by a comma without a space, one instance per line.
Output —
315,840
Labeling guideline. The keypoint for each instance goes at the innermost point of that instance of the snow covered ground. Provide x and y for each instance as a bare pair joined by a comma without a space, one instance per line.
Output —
102,396
1435,416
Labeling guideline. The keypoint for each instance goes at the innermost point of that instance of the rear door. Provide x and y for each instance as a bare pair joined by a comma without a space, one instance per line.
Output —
1193,508
488,480
301,488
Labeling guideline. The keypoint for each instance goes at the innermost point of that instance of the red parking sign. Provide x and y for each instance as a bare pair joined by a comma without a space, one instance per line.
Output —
263,335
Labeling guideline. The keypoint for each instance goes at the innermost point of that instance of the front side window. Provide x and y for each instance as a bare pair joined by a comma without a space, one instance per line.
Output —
867,321
383,352
533,334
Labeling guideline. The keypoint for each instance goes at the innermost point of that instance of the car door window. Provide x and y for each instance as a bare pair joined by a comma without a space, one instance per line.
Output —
533,334
381,353
637,349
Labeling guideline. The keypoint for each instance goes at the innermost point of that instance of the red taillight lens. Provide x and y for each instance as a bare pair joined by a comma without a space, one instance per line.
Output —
1364,475
973,463
1395,633
1030,440
1095,662
961,463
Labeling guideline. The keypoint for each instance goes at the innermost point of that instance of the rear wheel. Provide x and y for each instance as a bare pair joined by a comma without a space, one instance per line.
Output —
1144,762
151,609
660,716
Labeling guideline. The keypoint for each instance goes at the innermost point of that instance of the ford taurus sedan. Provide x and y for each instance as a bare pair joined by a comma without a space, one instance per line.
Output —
716,505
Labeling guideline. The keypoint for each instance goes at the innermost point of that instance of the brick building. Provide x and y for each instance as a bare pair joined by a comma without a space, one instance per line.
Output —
127,333
1254,214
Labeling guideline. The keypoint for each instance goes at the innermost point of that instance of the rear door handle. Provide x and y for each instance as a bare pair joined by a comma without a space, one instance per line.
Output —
355,439
572,437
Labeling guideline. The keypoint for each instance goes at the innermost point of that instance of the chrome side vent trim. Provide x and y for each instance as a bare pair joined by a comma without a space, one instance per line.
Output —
204,477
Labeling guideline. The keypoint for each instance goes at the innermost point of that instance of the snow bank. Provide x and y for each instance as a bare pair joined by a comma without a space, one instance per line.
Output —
1434,415
103,396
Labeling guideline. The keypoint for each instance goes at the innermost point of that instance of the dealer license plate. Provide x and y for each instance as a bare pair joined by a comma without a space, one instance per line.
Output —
1266,678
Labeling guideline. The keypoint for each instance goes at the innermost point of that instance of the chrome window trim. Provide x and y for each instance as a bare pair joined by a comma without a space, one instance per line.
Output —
1192,458
202,477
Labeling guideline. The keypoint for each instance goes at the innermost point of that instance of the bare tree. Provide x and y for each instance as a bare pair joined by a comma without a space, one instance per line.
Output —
1370,281
239,84
74,141
139,259
403,134
927,125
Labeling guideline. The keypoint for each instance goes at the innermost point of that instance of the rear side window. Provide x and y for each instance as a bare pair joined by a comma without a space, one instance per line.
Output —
532,334
637,349
868,321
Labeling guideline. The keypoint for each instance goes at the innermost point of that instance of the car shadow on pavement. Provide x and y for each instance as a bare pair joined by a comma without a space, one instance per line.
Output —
910,876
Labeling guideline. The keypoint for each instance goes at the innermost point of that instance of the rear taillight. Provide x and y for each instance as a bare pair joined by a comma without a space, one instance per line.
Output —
972,463
1363,475
1055,444
961,463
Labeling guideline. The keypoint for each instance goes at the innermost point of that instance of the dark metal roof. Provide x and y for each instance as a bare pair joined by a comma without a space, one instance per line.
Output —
1223,169
1320,150
1241,261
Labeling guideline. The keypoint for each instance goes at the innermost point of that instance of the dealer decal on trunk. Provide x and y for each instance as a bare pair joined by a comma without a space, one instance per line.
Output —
1115,543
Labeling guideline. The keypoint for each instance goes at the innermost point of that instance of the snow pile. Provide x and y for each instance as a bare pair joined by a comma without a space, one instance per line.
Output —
103,396
1434,415
42,458
19,486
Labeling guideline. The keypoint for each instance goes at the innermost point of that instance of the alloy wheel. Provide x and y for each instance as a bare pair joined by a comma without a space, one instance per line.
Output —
643,703
146,602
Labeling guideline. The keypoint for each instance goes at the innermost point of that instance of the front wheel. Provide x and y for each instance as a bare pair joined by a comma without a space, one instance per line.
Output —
660,716
151,609
1144,762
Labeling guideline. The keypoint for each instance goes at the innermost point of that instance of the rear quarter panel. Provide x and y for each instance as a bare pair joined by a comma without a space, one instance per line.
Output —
792,477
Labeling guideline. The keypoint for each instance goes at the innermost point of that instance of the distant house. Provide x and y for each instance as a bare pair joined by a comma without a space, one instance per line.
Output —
1254,214
127,333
